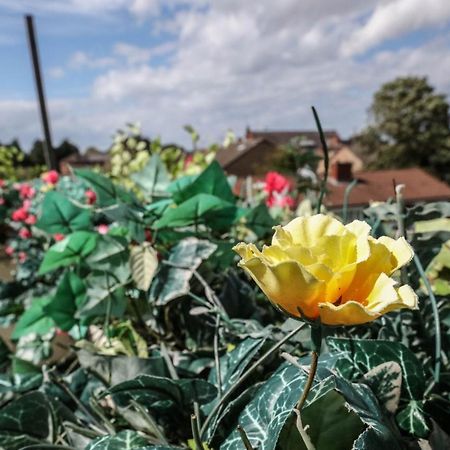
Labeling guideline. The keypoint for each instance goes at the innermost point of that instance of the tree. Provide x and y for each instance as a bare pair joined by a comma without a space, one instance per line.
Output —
409,127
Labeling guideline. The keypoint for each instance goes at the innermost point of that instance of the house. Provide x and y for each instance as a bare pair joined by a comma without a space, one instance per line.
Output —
92,158
258,151
378,186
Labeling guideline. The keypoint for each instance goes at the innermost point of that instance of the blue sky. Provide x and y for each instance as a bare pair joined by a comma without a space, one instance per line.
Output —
214,64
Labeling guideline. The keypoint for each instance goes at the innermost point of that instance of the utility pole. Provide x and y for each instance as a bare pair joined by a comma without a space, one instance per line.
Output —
49,154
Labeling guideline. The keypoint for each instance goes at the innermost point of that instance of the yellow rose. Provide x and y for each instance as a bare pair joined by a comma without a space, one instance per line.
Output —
318,267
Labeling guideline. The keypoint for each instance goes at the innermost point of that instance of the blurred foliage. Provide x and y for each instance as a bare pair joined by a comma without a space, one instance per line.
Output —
409,127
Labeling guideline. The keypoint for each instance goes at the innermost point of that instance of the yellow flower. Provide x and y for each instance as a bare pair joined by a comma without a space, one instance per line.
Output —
317,267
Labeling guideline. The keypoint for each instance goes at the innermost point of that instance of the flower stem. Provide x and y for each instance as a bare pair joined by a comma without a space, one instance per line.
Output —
309,381
245,439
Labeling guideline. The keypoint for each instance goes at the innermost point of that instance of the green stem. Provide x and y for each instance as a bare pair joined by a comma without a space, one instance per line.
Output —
196,433
436,318
326,160
309,381
245,375
216,356
245,439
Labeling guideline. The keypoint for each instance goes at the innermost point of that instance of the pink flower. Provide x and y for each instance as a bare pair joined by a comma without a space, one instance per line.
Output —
22,257
31,219
2,201
50,177
188,160
282,201
91,196
2,183
26,191
26,204
9,250
103,228
58,237
19,215
24,233
275,182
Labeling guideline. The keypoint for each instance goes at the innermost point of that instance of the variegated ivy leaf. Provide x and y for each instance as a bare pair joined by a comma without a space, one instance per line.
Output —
385,381
125,440
26,421
162,394
357,357
172,281
144,263
412,419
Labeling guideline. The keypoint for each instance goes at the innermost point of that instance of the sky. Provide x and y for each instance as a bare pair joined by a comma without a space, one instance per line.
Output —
217,65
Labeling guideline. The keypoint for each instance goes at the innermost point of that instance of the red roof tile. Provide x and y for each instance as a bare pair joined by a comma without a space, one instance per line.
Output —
377,185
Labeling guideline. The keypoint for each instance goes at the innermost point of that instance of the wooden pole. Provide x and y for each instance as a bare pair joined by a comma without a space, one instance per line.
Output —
49,154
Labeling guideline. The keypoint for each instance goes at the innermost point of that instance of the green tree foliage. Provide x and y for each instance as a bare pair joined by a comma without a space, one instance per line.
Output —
299,161
409,127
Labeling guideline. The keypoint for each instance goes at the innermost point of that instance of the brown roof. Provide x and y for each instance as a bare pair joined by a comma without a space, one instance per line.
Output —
227,155
91,158
377,185
283,137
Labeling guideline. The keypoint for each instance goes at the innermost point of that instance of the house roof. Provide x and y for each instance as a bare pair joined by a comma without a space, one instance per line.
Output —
377,185
227,155
88,158
283,137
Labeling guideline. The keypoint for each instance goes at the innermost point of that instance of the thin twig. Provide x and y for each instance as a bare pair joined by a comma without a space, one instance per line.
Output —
244,437
62,385
216,357
245,375
302,430
150,421
169,363
195,432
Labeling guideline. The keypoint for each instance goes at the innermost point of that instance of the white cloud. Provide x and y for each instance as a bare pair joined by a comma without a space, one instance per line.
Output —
239,63
396,18
56,72
81,60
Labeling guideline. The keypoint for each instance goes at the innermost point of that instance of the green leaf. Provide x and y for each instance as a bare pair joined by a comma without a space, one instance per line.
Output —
363,402
130,217
357,357
71,250
34,319
171,281
144,263
26,421
105,296
412,419
385,380
117,369
69,297
60,215
259,221
202,209
233,364
211,181
111,256
153,179
124,440
264,417
108,193
162,394
325,419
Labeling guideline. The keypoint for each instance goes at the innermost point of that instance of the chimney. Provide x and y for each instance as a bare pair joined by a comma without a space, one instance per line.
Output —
341,171
248,133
